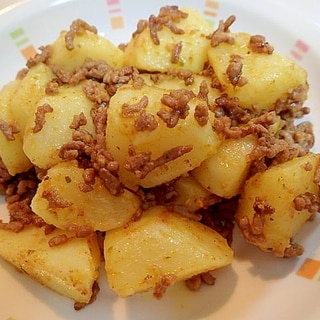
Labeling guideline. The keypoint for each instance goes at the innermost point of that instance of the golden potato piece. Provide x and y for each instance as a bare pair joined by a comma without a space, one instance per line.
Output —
225,171
86,44
60,202
11,138
173,149
275,204
69,269
42,145
270,77
184,49
161,246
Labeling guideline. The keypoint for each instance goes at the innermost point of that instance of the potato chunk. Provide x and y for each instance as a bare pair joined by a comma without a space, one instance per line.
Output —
86,45
275,204
184,49
161,244
69,269
11,138
270,77
55,131
31,89
97,209
225,171
162,143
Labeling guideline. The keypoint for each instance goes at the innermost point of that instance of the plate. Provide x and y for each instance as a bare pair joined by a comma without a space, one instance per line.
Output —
256,285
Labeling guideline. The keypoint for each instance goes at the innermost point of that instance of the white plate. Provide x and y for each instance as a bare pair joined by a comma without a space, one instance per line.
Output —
257,285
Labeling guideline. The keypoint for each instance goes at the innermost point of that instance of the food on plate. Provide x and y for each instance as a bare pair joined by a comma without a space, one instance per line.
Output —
143,157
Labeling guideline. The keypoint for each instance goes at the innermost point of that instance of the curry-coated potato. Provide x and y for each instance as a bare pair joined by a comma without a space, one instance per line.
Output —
181,50
270,77
225,171
86,45
162,144
11,152
192,195
69,269
31,89
273,205
161,245
97,209
42,144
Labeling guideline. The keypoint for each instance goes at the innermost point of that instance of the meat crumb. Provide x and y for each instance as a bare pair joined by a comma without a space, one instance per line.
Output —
40,117
234,71
259,44
8,130
222,34
164,283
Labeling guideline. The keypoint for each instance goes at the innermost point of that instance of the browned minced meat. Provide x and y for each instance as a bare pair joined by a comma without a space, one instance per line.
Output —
42,57
176,53
91,153
96,92
80,231
95,290
183,74
234,71
164,283
77,27
307,201
177,101
129,110
201,114
19,192
141,164
22,73
195,282
253,231
55,200
145,122
220,217
8,130
294,250
58,240
210,73
259,44
222,34
40,114
167,17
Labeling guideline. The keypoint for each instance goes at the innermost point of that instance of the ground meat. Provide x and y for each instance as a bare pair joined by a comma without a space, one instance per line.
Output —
222,34
183,74
55,200
8,130
43,57
294,250
220,217
145,122
129,110
96,92
177,101
81,231
164,283
195,282
259,44
52,87
226,106
63,76
141,164
58,240
141,25
307,201
175,57
209,72
19,191
253,231
77,27
168,16
201,114
40,114
234,71
95,290
22,73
